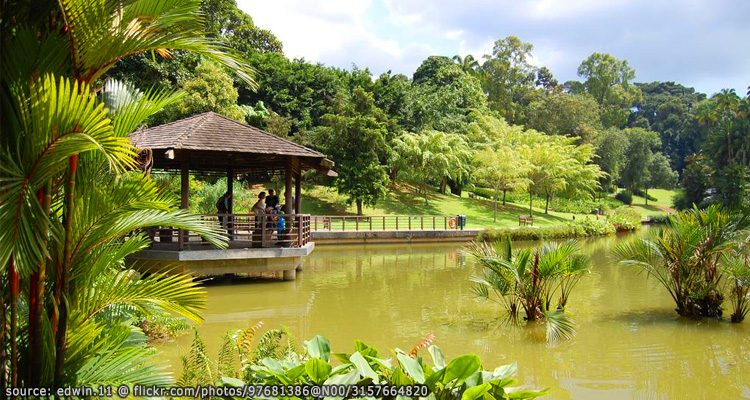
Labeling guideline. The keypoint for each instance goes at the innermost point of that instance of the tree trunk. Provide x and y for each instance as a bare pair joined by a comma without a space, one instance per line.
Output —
36,304
455,187
62,295
443,184
494,218
645,194
14,286
504,191
359,206
531,204
546,204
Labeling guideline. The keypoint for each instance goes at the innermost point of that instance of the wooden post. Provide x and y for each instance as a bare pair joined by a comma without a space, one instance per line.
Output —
288,186
184,196
230,189
298,192
397,222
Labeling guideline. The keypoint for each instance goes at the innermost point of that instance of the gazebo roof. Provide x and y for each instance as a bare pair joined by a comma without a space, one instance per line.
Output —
212,142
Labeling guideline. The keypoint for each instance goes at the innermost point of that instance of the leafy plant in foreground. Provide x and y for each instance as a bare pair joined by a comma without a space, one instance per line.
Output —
460,378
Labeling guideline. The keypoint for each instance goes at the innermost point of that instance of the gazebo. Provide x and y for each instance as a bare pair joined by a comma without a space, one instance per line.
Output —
211,143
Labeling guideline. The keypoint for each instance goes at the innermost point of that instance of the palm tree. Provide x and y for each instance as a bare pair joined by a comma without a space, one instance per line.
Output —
469,64
687,259
529,279
69,196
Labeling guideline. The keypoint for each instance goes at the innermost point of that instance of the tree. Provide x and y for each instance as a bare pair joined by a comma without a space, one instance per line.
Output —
66,202
224,20
508,77
608,80
211,89
442,96
696,182
726,119
469,64
431,156
642,144
574,115
661,173
502,170
610,152
355,138
669,109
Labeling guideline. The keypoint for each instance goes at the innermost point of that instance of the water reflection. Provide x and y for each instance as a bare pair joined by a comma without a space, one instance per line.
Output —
630,343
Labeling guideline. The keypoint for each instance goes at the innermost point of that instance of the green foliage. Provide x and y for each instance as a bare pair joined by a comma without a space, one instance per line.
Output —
355,138
642,144
625,196
431,156
460,378
441,97
574,115
529,280
669,108
611,150
688,258
210,89
608,80
581,227
625,219
508,78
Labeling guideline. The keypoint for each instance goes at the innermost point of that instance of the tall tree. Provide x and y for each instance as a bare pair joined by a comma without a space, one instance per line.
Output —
566,114
501,169
469,64
432,156
642,144
611,150
608,80
66,202
211,89
661,173
508,78
355,137
669,109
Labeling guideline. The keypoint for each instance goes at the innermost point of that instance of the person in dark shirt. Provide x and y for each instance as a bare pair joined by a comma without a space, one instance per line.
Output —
272,200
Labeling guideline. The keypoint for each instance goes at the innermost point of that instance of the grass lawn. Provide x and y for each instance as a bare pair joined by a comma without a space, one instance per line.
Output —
662,205
402,200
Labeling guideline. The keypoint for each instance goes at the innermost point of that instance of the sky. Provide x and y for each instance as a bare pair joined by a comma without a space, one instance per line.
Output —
702,44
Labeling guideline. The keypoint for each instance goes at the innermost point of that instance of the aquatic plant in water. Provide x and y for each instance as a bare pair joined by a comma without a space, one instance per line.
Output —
690,258
529,280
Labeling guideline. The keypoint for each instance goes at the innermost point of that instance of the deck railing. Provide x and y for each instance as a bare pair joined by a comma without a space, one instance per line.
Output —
385,222
243,230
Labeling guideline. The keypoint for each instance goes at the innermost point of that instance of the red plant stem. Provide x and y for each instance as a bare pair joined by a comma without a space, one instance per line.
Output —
67,254
36,303
13,277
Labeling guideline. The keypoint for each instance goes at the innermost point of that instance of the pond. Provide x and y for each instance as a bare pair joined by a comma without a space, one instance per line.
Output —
630,344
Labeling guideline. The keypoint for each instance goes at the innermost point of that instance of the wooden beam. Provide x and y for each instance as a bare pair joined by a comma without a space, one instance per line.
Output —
230,189
288,185
184,183
298,193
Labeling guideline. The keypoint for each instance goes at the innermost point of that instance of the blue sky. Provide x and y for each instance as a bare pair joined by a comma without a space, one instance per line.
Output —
704,44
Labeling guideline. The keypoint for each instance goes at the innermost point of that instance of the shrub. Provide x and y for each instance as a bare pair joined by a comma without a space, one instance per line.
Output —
363,369
625,219
626,196
582,227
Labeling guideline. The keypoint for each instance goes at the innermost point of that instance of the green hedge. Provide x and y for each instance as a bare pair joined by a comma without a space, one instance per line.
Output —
582,227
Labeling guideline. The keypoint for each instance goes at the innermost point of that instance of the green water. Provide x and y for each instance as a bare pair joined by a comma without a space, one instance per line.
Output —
630,343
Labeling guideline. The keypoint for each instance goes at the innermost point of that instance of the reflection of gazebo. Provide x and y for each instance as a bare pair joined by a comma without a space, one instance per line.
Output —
212,143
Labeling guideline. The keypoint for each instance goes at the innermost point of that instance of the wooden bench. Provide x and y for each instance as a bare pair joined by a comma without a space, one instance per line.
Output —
525,220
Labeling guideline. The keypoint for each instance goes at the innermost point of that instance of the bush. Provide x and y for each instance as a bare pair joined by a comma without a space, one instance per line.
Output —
582,227
641,193
362,369
626,196
625,219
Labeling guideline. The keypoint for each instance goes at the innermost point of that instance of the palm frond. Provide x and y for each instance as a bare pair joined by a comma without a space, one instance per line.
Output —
558,326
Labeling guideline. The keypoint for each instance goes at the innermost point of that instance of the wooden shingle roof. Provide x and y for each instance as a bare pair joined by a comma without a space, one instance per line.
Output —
213,132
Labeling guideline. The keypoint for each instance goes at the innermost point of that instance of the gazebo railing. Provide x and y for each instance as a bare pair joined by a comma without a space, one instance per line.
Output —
243,230
385,222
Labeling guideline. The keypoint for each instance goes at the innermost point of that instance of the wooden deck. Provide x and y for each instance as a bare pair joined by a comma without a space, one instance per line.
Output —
258,246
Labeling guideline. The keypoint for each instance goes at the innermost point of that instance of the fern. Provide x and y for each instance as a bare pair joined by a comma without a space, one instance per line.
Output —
423,344
228,356
196,366
245,338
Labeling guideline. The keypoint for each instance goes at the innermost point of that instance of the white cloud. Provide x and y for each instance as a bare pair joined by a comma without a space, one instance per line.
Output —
696,43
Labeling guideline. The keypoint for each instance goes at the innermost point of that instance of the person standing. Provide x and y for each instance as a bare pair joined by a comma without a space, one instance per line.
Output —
272,200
